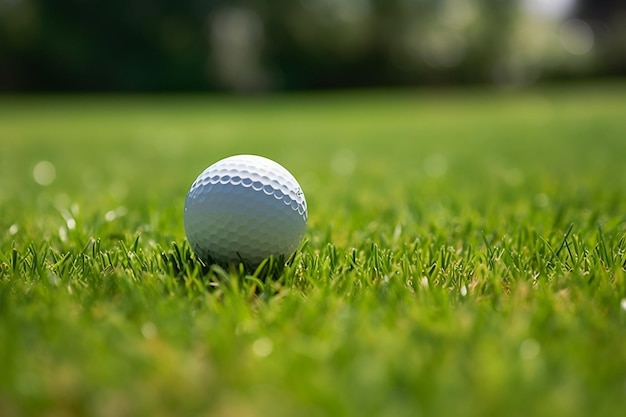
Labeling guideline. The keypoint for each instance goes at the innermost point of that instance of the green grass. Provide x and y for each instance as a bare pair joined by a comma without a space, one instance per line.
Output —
465,255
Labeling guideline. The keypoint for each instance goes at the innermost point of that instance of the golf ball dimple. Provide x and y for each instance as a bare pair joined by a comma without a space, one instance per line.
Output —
244,208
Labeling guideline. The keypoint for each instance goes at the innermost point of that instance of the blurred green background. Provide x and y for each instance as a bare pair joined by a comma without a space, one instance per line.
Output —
263,45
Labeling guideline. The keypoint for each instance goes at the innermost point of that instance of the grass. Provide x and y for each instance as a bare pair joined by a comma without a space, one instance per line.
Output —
465,255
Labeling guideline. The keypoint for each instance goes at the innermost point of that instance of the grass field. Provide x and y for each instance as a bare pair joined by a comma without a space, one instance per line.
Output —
465,255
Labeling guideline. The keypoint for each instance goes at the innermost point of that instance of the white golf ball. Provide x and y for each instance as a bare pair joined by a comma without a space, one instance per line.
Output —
244,208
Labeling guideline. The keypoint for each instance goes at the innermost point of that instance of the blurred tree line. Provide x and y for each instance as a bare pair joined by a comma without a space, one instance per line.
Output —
257,45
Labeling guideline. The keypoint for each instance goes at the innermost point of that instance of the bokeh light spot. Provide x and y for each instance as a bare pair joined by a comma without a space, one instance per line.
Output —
44,173
463,291
149,330
529,349
576,37
114,214
553,9
263,347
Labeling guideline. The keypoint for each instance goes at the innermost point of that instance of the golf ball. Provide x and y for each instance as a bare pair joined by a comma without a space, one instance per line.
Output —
244,208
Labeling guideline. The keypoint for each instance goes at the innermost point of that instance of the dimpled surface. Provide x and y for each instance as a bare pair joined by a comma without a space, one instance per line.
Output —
244,208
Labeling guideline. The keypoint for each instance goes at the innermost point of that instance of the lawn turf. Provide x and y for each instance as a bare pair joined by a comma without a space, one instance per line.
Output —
465,255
